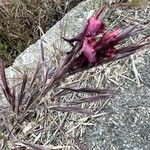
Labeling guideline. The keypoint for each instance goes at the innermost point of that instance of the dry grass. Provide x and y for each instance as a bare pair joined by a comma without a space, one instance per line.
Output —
20,20
57,130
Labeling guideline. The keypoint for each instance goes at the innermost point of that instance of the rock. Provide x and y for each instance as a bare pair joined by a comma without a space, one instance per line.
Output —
126,125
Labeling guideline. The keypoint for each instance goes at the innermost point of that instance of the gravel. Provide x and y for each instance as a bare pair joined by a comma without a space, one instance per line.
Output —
126,125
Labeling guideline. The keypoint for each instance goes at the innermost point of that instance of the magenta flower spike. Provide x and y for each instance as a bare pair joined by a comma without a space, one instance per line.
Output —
96,52
106,44
112,37
94,25
88,50
109,39
95,46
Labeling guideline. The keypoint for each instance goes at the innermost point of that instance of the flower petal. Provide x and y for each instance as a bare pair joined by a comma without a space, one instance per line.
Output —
112,36
88,50
109,40
94,27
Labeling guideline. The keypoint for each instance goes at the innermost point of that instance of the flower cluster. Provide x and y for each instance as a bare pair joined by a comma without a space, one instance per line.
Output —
98,45
91,46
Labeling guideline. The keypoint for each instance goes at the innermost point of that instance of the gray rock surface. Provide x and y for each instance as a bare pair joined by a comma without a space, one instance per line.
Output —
126,125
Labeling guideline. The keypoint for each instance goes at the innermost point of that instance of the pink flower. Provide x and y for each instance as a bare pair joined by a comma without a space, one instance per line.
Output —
105,46
94,25
96,48
88,50
109,39
112,37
